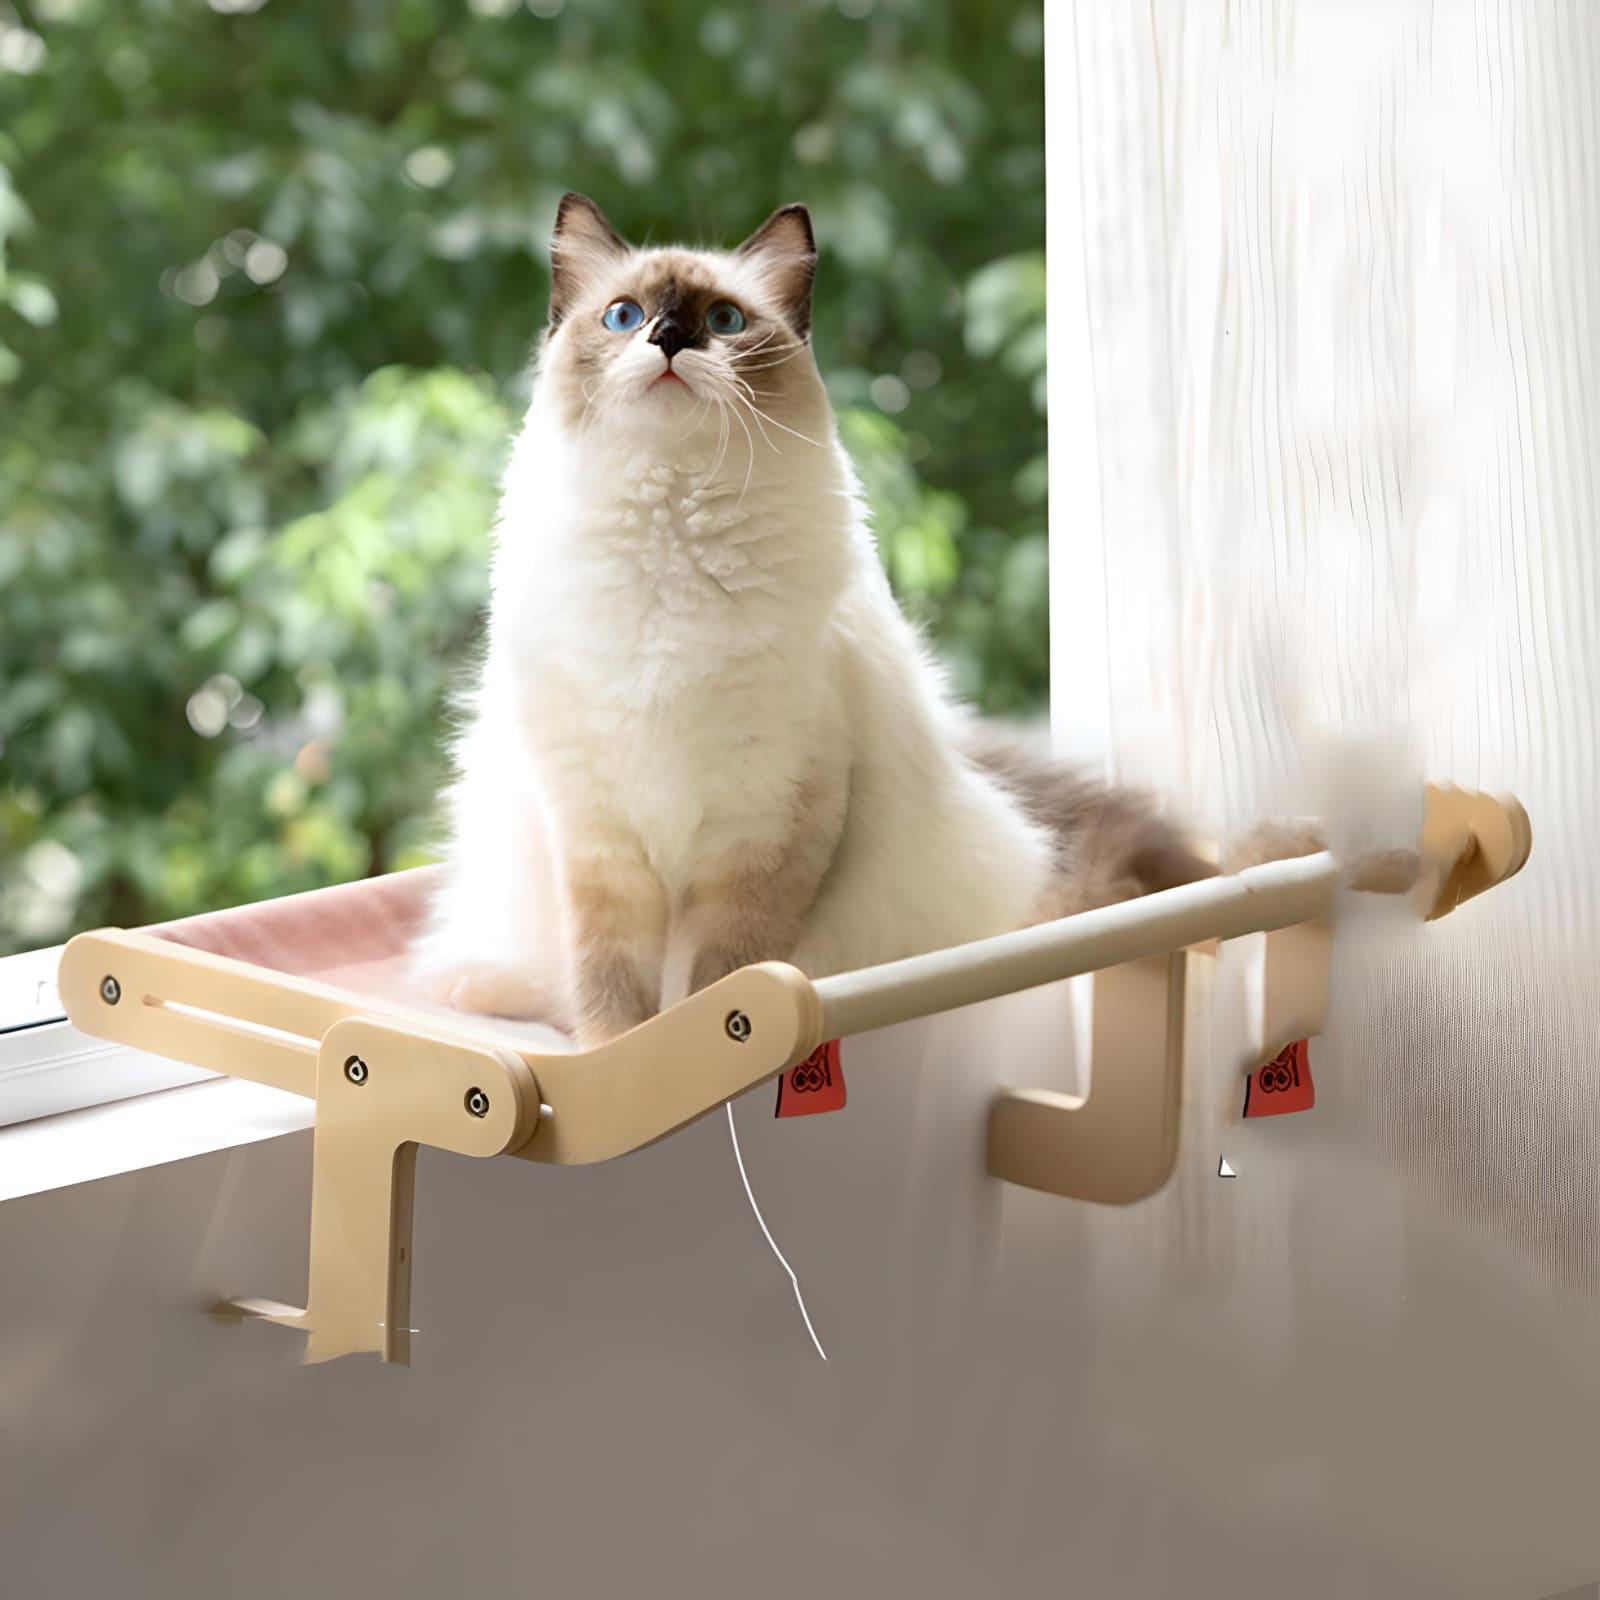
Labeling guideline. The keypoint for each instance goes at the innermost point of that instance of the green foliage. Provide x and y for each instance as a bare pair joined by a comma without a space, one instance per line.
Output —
269,279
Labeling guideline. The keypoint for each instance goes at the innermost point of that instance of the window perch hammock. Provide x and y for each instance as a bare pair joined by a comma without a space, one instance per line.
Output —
293,994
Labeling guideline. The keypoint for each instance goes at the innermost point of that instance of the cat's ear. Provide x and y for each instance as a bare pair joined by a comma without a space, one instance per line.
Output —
786,251
583,243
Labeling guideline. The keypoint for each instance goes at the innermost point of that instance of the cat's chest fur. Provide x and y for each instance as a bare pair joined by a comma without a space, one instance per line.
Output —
670,587
670,650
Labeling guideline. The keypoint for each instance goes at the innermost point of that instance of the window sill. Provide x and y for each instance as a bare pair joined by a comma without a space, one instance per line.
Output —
74,1109
129,1135
48,1067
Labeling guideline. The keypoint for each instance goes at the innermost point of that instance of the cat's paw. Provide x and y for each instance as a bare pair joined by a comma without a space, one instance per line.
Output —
495,991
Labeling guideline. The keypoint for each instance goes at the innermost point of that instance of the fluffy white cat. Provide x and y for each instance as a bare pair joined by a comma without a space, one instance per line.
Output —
704,733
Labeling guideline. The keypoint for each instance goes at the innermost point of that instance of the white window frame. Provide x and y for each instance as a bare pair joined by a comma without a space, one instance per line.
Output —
75,1109
48,1067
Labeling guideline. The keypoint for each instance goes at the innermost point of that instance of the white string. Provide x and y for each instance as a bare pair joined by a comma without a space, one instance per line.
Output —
800,1299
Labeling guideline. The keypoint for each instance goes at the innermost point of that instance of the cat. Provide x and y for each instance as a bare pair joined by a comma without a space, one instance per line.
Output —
704,733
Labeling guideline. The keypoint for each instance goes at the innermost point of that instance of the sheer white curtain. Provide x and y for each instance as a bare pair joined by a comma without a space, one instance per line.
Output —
1325,420
1325,442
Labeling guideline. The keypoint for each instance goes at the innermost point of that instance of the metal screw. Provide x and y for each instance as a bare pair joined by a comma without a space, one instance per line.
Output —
738,1026
355,1069
110,990
477,1103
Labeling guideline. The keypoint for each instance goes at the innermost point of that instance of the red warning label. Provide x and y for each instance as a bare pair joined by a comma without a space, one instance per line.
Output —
815,1084
1282,1085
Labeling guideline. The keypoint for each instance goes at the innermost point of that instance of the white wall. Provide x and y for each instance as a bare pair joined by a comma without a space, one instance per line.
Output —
1304,1381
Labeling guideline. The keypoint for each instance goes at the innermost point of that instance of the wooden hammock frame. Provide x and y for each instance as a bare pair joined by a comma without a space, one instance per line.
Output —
386,1078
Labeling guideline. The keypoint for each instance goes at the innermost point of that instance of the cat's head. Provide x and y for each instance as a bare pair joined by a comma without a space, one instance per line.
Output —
666,342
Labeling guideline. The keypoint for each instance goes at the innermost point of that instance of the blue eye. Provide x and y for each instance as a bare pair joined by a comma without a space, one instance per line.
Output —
622,316
725,317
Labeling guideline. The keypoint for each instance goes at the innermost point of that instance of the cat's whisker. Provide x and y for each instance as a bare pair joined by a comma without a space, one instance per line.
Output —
748,363
725,440
737,356
748,399
803,438
694,419
764,366
722,442
750,461
592,396
588,404
774,335
745,384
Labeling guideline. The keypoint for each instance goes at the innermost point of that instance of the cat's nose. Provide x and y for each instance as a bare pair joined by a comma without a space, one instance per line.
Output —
671,335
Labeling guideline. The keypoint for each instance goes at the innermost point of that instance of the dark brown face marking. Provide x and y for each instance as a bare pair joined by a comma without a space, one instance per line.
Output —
679,291
679,324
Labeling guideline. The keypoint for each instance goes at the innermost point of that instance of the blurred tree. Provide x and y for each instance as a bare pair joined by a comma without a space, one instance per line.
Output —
269,279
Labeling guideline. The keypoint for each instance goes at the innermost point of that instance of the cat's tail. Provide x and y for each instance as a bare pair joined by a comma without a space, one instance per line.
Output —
1393,871
1109,843
1113,843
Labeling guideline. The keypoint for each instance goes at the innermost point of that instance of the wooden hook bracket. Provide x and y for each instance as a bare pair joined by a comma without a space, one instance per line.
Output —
383,1089
1470,842
1060,1143
1119,1144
